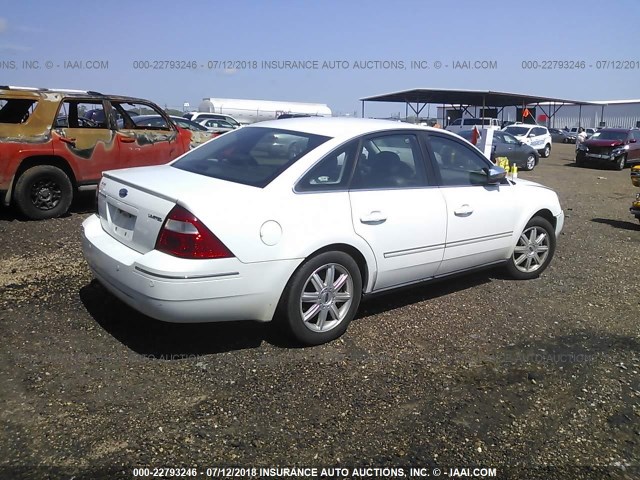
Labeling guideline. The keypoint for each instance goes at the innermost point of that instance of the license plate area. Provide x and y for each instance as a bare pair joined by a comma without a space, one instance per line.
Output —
122,219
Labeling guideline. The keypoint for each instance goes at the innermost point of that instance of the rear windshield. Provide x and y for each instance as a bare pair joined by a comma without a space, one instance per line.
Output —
250,155
16,110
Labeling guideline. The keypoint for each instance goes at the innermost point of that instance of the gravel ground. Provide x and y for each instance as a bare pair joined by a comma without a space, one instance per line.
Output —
538,379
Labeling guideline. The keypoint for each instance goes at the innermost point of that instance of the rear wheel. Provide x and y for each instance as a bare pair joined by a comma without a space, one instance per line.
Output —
533,251
43,192
322,298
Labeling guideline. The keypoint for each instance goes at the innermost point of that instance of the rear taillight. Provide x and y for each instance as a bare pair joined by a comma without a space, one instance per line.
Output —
184,236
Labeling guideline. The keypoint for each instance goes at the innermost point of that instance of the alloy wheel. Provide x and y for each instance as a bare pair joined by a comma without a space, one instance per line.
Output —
326,297
532,249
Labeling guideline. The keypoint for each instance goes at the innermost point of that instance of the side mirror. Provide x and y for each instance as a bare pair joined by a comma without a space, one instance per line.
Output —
531,135
495,175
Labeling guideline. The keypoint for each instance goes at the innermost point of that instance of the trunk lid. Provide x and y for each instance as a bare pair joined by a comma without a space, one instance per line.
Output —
133,203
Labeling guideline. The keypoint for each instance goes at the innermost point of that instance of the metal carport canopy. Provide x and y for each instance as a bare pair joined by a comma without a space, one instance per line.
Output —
467,98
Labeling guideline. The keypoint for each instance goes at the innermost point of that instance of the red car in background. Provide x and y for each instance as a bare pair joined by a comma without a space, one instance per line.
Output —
54,143
615,146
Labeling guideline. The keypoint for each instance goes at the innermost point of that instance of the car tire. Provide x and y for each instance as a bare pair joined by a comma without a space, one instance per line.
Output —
530,163
533,250
547,151
621,162
42,192
316,309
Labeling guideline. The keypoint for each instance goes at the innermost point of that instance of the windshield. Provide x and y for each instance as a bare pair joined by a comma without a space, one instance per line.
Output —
609,135
516,130
251,156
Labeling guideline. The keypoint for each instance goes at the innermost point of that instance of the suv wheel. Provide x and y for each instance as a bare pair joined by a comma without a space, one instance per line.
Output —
547,151
43,192
621,162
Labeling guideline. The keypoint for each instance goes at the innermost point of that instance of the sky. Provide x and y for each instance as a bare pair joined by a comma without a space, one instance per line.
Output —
51,44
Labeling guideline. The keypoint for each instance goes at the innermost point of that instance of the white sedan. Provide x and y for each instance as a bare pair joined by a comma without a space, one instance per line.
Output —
232,231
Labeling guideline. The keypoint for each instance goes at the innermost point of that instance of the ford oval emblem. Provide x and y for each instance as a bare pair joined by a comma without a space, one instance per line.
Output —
123,192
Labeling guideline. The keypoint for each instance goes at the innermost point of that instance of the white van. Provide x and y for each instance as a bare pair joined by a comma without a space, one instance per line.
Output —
468,123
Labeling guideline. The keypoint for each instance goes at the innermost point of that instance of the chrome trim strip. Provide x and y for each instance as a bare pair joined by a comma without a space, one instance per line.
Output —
468,241
86,188
187,277
409,251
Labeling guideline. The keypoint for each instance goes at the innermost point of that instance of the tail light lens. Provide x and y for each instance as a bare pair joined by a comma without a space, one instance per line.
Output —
184,236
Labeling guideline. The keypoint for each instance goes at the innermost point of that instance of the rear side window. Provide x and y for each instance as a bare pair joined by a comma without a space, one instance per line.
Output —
81,114
332,172
16,110
250,155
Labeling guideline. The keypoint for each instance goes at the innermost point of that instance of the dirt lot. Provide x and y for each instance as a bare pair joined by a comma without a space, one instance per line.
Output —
475,371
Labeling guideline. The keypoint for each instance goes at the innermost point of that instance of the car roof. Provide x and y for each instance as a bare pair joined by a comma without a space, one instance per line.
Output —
611,129
45,92
337,127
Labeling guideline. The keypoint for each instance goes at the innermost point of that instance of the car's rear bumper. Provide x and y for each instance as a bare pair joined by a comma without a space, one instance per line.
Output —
230,290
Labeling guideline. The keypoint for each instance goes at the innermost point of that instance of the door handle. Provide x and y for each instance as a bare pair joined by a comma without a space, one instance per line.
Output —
70,141
463,211
124,139
375,217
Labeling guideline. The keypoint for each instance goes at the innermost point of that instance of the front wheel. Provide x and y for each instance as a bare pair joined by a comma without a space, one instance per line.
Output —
43,191
621,162
547,151
322,298
533,251
531,162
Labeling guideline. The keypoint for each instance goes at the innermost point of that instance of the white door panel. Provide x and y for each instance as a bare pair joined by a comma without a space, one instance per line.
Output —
480,225
406,229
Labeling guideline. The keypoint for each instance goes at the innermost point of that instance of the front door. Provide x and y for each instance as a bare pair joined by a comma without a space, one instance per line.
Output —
144,144
480,217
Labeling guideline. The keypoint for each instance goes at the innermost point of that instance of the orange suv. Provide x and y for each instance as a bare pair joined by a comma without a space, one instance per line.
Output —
54,143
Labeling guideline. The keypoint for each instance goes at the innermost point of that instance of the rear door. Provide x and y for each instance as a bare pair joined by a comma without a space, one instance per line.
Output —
480,217
82,134
397,209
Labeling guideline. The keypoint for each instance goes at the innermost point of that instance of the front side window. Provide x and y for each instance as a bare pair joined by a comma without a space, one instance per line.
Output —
389,161
459,165
251,155
127,111
507,138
